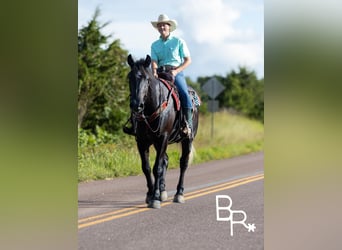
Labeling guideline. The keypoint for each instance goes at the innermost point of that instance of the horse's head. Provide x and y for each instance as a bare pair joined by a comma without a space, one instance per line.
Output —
139,78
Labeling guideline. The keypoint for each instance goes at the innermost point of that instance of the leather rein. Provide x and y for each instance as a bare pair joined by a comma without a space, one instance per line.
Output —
148,119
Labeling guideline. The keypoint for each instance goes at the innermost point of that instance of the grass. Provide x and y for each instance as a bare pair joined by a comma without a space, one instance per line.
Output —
233,135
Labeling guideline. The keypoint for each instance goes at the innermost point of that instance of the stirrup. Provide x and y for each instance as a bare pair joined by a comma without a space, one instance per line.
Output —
129,131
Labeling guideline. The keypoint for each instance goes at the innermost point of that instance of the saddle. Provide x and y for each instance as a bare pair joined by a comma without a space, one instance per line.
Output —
168,80
165,72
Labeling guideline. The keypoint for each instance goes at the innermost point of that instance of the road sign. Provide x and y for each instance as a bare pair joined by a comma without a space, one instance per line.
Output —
213,87
213,105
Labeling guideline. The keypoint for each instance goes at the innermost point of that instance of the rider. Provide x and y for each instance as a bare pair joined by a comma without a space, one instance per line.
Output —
171,53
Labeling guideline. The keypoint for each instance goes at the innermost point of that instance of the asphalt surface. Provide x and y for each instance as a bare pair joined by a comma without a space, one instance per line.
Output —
112,213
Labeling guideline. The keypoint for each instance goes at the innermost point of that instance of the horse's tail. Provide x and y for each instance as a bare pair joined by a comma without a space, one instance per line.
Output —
192,154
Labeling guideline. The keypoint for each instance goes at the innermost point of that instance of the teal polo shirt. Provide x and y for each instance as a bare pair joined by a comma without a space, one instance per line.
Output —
169,52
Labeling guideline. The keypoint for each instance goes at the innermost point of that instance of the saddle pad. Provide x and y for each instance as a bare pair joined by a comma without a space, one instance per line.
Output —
196,100
174,94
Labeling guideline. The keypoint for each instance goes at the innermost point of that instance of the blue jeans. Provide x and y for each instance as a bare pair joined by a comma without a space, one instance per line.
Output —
183,90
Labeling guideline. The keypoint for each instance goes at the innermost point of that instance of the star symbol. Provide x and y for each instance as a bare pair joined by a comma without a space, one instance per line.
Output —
251,227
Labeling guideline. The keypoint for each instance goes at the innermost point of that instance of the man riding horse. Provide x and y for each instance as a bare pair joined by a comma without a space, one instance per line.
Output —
171,55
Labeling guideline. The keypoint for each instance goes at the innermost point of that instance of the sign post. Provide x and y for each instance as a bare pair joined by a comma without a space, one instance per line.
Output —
213,88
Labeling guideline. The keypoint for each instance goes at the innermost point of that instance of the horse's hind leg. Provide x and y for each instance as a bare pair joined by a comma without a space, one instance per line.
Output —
184,161
145,165
163,193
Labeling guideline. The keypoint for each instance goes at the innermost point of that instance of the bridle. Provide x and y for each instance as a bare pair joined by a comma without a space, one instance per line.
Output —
148,119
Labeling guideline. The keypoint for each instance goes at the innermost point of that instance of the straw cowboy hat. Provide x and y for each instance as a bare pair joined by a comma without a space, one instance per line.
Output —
165,19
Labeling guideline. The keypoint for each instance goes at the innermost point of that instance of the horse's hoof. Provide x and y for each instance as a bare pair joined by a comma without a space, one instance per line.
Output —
163,196
154,204
179,198
148,199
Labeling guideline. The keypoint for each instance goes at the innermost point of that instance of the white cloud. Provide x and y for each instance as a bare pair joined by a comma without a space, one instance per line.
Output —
228,57
247,54
135,36
220,38
221,34
209,22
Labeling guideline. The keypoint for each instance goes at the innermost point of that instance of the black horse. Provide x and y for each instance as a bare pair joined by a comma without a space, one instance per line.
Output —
158,122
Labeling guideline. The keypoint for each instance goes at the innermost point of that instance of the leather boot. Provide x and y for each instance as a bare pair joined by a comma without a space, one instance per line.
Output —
188,122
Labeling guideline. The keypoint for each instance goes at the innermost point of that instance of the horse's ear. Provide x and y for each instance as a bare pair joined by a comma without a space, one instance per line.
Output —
147,61
130,60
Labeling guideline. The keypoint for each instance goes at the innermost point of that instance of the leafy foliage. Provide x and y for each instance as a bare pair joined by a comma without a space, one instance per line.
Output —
243,93
102,80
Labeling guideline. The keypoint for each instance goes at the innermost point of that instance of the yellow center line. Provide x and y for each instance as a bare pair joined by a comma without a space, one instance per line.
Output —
106,214
224,184
143,205
231,185
93,220
113,217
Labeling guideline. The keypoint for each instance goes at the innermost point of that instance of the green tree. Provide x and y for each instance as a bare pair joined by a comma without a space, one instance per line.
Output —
257,111
243,93
102,79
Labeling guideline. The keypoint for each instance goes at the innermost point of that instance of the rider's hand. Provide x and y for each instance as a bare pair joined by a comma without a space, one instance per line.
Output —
174,72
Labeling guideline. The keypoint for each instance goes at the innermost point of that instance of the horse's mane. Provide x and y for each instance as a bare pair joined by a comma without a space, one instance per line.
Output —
140,66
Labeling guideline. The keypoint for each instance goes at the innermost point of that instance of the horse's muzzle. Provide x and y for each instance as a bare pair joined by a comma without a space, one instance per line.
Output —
137,107
140,108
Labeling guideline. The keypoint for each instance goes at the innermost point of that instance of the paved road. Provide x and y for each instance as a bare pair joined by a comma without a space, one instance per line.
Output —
112,214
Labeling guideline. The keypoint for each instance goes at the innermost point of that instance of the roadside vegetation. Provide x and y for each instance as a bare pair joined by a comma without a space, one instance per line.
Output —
233,135
103,108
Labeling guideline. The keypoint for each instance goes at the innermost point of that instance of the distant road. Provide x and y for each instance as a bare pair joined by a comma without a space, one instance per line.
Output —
112,214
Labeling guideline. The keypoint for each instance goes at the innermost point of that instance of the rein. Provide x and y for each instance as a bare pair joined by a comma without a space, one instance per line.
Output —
140,116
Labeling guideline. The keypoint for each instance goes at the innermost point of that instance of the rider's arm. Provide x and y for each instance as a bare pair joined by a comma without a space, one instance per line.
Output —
154,66
186,63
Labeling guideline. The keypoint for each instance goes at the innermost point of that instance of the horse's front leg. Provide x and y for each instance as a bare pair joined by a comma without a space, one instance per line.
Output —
184,161
158,171
145,165
163,193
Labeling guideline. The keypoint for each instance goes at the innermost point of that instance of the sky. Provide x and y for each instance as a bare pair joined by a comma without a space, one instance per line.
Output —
222,35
